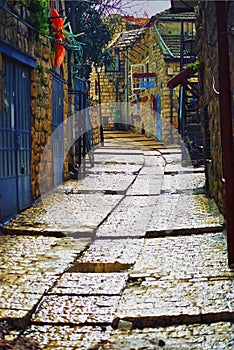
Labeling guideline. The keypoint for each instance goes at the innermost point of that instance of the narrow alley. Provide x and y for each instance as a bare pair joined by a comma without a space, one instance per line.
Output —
133,256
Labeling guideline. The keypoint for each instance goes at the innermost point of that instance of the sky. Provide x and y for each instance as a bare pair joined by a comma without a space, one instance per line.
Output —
147,7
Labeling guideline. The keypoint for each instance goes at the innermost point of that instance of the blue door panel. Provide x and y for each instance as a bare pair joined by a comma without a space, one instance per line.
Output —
24,191
15,140
23,137
58,132
8,190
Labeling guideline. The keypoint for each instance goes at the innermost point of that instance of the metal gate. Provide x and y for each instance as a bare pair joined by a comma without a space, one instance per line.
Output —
15,139
58,130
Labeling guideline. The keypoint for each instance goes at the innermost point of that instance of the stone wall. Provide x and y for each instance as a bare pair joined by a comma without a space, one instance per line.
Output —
13,31
209,101
164,69
139,116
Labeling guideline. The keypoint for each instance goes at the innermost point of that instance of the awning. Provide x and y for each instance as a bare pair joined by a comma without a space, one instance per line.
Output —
183,78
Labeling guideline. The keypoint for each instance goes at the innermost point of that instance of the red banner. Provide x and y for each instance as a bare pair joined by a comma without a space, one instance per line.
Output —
58,24
144,75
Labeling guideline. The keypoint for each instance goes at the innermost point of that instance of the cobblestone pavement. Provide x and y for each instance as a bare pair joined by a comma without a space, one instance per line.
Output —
134,256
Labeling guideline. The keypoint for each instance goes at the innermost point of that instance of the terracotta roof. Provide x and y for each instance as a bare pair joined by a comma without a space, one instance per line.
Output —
137,21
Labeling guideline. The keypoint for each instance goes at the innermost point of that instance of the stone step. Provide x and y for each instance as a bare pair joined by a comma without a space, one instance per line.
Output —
129,219
181,213
64,337
154,303
87,284
182,337
109,255
62,214
76,310
99,183
186,258
29,268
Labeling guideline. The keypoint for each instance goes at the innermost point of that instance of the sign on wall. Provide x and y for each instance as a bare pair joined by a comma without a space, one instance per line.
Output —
147,84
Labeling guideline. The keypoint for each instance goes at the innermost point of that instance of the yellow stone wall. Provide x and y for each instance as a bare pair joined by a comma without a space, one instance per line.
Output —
209,101
147,50
41,48
150,54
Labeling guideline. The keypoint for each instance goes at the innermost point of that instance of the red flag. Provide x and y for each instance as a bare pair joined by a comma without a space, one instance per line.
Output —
58,24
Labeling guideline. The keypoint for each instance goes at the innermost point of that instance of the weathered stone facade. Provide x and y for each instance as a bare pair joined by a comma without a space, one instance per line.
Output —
209,82
21,37
152,110
166,109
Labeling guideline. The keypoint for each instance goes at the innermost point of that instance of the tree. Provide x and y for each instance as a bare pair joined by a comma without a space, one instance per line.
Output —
88,18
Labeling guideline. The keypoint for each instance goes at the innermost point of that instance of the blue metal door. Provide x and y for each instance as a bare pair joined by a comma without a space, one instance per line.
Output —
58,130
15,139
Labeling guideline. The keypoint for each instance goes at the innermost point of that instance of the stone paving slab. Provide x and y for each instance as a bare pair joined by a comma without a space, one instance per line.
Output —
90,284
116,151
64,214
129,219
51,337
191,257
171,150
119,158
144,141
66,309
152,170
183,337
118,134
146,184
31,282
106,255
186,214
20,301
115,168
20,255
100,182
179,182
152,302
172,158
178,168
152,153
29,266
153,161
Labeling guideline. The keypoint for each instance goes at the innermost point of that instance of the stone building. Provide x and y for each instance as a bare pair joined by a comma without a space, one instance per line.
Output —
136,87
207,38
34,100
112,78
215,43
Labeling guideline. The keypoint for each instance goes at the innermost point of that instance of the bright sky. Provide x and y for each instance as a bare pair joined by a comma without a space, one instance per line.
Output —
147,7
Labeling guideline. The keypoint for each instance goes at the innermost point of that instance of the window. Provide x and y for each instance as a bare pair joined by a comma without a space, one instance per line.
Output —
114,65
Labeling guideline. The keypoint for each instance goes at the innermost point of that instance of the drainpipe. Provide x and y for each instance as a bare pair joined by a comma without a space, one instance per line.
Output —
126,119
225,103
163,42
171,114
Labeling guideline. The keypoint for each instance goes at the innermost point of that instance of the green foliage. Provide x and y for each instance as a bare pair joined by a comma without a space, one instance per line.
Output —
23,2
40,68
37,14
86,19
195,65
